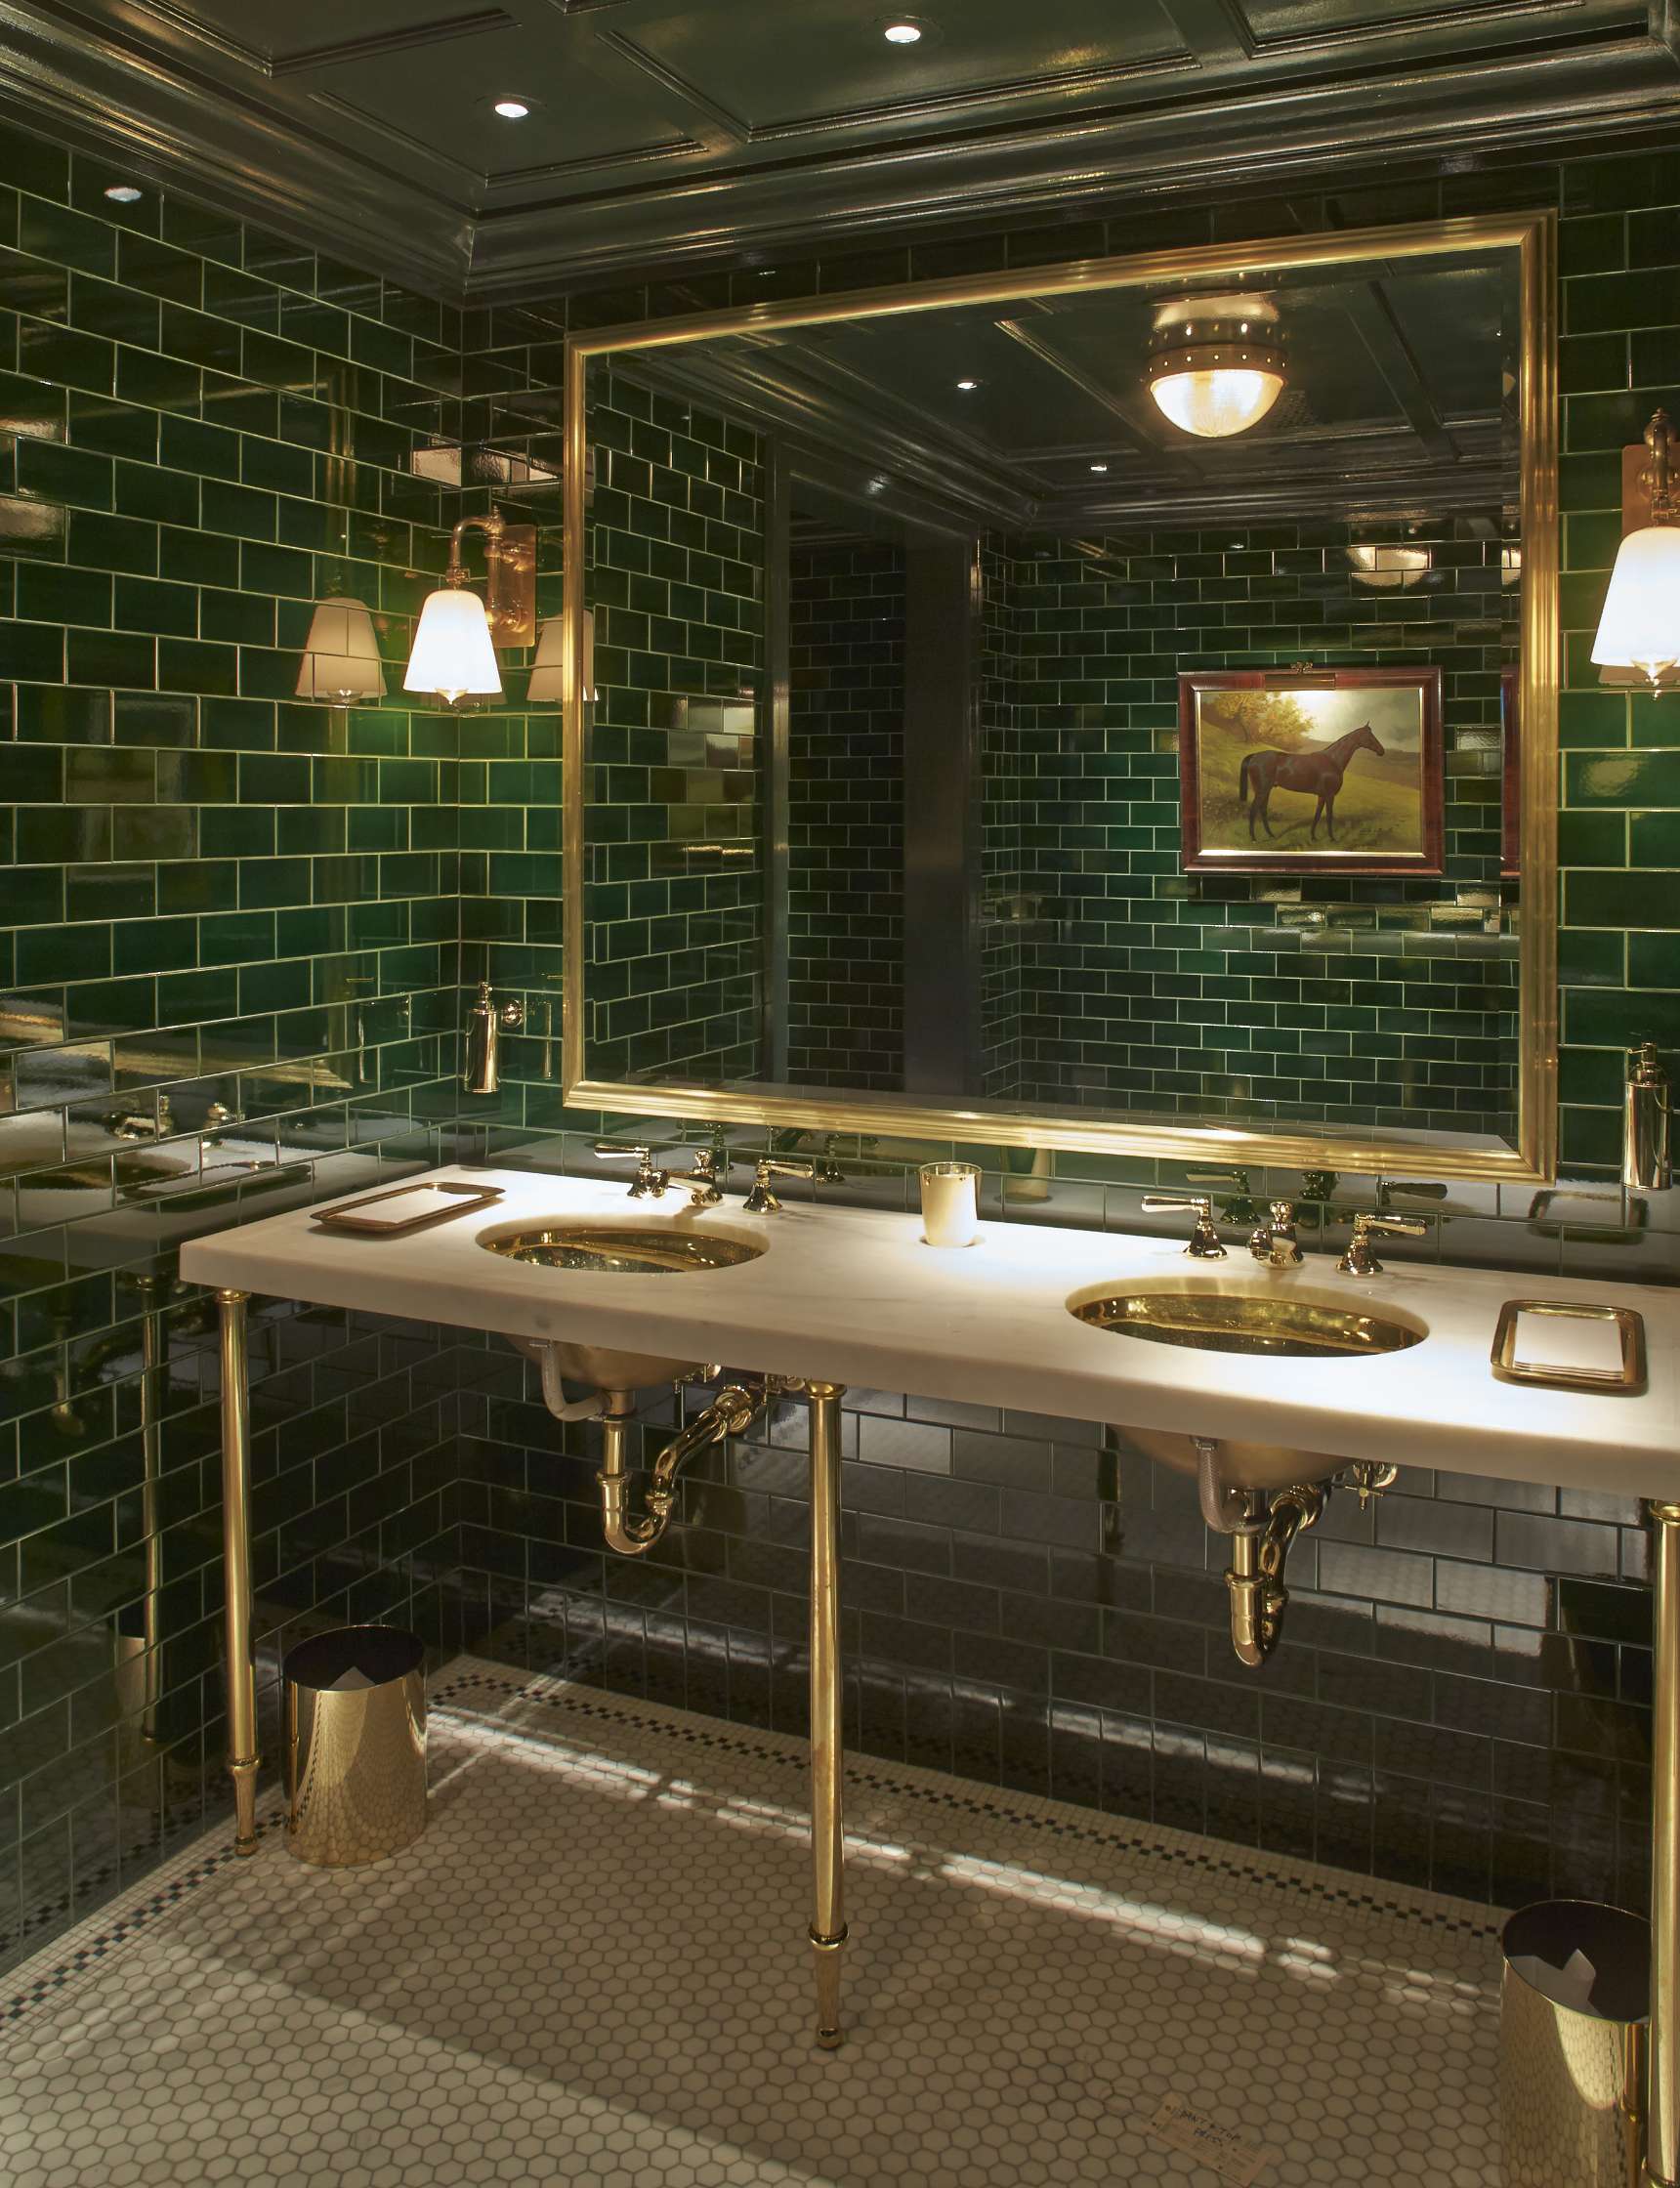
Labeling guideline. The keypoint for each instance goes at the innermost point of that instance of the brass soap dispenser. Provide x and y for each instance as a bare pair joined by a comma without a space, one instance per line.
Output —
486,1023
1645,1157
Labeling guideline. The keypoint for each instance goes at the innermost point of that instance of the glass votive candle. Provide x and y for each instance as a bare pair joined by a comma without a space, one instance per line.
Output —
950,1203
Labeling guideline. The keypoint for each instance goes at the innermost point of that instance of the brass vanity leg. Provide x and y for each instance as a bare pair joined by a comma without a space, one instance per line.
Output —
1662,2096
241,1676
828,1755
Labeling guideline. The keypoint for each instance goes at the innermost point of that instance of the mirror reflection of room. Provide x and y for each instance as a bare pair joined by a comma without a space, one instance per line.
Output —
1100,704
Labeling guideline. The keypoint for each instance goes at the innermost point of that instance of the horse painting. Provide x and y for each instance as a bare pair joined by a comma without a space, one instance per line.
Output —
1319,773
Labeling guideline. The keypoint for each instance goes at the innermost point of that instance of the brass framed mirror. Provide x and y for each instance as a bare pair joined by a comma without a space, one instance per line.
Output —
928,626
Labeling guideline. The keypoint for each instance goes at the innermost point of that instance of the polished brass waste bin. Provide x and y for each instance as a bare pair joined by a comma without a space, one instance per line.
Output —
355,1744
1573,2004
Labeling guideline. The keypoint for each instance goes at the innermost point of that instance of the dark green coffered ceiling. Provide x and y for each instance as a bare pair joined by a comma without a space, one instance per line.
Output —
661,129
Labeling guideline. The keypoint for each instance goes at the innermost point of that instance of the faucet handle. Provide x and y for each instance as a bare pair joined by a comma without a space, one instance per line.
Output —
1358,1260
1205,1243
649,1183
760,1200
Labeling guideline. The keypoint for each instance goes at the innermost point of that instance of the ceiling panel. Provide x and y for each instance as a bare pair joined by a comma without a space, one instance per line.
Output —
310,25
577,112
778,66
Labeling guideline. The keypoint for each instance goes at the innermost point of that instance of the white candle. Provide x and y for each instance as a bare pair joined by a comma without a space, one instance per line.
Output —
950,1211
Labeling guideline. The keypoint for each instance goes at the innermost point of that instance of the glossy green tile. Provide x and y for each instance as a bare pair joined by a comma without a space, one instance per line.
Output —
196,665
143,604
111,658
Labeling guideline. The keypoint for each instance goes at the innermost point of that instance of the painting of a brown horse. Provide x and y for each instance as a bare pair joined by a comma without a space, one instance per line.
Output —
1318,773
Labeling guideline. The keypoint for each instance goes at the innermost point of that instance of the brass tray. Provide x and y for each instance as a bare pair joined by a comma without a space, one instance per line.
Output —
1627,1381
435,1203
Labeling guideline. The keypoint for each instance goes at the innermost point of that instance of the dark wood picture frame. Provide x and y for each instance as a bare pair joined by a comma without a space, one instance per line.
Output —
1510,774
1322,857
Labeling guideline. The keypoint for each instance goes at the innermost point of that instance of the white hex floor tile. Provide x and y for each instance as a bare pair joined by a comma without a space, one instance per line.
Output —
593,1968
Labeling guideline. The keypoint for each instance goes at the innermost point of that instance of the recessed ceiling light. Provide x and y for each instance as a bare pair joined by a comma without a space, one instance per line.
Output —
902,33
1099,467
512,109
123,193
967,386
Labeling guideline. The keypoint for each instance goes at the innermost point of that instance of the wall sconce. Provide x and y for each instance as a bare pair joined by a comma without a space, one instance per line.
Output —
547,676
341,664
454,649
1216,364
1638,639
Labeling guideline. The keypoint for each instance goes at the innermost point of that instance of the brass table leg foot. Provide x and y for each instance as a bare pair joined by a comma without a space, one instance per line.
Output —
244,1777
827,1757
830,1952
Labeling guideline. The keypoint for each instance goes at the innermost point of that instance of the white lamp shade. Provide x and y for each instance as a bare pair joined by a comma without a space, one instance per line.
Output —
453,652
546,688
1215,402
1640,627
341,661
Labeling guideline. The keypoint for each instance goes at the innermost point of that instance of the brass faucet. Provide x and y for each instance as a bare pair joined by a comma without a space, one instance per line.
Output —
653,1184
1359,1260
1274,1245
760,1200
1205,1243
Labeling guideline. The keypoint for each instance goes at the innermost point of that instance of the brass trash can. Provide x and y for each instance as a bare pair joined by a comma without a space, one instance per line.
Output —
1574,1998
355,1744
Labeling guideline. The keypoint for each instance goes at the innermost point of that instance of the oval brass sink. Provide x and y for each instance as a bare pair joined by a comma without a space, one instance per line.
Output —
622,1249
617,1250
1262,1324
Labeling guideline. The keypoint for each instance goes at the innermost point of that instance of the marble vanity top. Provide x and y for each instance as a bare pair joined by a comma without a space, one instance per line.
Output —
852,1295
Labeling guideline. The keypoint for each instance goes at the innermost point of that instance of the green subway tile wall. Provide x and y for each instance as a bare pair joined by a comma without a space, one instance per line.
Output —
674,883
228,982
845,792
1141,989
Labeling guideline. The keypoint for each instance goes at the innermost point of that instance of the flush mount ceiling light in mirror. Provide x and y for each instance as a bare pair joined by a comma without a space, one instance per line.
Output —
1388,569
341,664
1216,364
1639,632
454,650
905,31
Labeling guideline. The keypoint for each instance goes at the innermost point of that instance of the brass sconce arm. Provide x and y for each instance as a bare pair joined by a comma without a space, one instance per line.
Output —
510,559
1657,476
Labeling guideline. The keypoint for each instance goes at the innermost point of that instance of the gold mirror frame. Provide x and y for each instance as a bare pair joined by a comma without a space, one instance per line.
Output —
1534,1158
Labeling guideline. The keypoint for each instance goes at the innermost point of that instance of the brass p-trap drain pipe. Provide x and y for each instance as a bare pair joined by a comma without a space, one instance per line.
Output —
1261,1533
731,1412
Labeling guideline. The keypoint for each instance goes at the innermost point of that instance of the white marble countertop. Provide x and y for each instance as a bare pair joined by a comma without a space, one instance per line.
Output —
852,1295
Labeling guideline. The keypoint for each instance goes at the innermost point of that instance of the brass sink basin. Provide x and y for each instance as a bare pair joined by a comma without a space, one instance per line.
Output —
1268,1325
1280,1324
617,1250
622,1249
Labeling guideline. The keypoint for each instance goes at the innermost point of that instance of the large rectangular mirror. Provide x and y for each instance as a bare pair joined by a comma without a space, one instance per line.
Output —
1113,707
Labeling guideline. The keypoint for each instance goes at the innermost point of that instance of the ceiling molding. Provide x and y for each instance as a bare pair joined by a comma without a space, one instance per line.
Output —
1179,148
308,59
729,128
166,93
1450,16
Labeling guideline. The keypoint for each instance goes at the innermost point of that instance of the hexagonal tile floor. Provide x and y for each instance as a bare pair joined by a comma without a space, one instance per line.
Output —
593,1968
